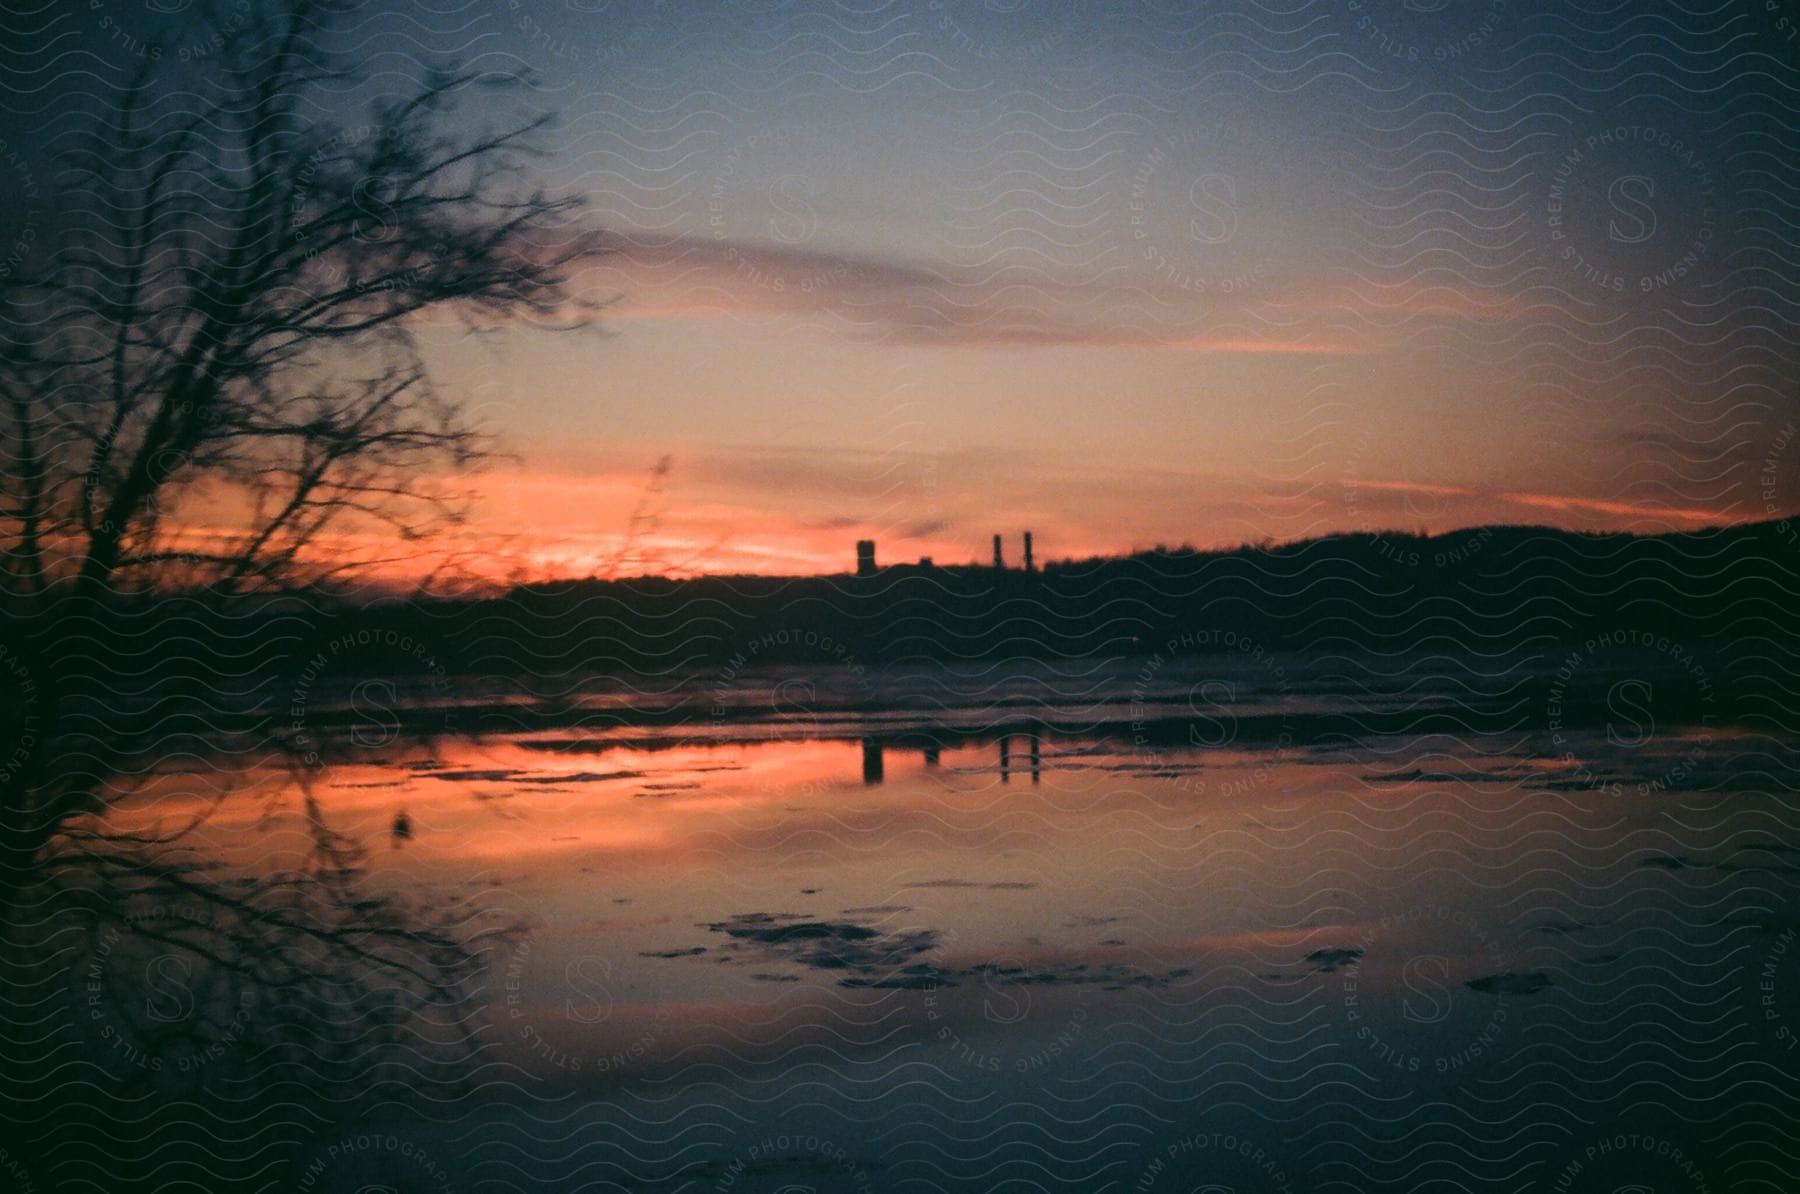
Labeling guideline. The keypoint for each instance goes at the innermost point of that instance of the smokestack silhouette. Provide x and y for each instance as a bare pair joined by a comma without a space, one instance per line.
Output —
999,555
865,557
1028,564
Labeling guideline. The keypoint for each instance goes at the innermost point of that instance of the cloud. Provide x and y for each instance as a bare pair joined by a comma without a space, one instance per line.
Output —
869,298
1561,503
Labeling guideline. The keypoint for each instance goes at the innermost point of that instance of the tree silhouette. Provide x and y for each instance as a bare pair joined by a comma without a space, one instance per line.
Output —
210,384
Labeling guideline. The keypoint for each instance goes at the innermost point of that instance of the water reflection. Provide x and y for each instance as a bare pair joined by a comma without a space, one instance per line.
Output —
874,757
1365,929
1032,746
1158,941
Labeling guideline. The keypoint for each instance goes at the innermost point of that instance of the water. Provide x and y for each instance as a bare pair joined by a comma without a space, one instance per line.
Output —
1252,923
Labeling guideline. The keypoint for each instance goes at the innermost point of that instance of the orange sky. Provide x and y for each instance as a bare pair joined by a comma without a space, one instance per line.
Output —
788,513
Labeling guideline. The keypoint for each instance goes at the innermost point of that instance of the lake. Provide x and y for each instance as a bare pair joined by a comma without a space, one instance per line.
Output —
1231,922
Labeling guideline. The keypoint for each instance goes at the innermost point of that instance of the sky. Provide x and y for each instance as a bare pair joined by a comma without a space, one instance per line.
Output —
1122,274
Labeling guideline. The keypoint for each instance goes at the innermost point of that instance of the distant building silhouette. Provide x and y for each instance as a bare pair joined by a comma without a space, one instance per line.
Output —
1028,565
873,769
999,553
865,557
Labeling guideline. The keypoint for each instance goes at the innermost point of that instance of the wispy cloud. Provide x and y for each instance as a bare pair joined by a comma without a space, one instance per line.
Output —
1493,502
869,298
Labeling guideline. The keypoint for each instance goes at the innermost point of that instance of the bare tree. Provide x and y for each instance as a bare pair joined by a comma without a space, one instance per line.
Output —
231,317
210,383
